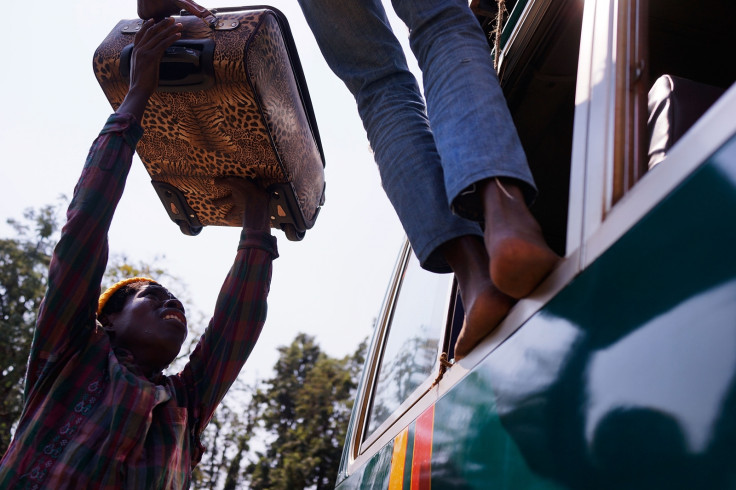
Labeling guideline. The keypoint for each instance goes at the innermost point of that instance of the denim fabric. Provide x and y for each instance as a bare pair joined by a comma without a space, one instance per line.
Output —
426,154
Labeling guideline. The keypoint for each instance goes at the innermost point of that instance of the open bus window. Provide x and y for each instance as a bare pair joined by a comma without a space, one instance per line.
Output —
650,39
670,71
413,341
538,74
690,48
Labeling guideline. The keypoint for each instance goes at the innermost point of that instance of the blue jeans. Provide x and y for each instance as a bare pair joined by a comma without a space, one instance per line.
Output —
427,155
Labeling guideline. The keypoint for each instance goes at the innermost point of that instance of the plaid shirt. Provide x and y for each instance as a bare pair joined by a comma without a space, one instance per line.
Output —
88,421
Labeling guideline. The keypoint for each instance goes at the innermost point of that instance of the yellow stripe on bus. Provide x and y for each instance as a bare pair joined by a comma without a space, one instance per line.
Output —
398,460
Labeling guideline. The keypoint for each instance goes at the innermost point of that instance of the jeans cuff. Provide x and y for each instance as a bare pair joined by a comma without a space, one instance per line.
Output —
468,204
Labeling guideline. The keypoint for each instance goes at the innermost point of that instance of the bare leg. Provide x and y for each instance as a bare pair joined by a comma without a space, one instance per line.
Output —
485,306
519,256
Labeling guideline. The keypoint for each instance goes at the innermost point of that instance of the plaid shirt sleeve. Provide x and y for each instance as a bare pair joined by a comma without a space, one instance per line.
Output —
67,313
234,329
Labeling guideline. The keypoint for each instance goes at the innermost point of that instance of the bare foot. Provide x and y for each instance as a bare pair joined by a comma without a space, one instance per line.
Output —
519,256
482,314
485,306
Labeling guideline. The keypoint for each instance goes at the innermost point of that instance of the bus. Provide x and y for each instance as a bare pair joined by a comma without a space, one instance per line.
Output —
619,371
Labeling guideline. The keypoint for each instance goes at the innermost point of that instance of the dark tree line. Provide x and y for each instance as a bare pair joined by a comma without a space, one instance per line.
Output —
306,406
24,262
285,432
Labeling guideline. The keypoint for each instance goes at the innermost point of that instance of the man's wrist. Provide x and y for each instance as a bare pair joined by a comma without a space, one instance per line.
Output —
256,213
257,224
257,230
135,103
156,9
258,239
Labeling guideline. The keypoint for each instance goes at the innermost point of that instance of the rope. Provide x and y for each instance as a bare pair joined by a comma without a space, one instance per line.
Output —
444,366
499,28
503,189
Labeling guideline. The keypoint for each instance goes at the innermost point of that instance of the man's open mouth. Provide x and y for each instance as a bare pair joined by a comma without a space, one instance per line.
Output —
176,316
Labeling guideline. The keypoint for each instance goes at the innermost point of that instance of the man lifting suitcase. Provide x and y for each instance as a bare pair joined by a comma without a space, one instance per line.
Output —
99,413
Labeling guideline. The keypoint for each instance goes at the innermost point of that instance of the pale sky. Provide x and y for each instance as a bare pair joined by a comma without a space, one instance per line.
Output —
329,285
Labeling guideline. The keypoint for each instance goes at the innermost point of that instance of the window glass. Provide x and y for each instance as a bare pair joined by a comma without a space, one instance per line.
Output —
413,341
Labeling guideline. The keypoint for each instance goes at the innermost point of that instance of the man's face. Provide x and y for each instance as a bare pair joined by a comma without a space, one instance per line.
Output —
152,326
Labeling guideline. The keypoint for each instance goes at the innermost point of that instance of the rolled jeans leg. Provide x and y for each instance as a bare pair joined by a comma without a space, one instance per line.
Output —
471,123
360,47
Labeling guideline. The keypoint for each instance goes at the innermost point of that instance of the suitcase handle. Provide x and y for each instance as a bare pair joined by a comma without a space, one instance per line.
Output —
197,10
162,8
186,65
183,55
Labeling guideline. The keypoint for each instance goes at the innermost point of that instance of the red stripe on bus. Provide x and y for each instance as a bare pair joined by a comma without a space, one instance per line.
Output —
421,467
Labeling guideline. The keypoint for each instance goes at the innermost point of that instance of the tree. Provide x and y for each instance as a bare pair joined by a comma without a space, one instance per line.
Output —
227,439
305,407
24,262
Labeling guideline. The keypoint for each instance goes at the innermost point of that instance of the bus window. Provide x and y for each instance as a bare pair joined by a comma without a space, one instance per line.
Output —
413,342
669,71
689,45
639,42
538,73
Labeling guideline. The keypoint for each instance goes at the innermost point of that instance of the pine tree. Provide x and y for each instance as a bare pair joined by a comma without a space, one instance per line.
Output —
306,407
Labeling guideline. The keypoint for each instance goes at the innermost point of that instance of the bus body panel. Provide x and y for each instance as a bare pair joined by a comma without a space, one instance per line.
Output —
625,379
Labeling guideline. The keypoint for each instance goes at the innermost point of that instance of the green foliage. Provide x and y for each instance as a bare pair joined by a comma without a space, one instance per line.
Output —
298,420
24,261
227,439
302,412
306,408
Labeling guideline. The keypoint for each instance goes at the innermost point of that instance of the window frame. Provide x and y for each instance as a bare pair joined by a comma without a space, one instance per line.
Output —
360,444
610,190
609,152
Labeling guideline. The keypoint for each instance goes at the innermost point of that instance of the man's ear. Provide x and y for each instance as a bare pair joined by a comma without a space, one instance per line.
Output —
107,322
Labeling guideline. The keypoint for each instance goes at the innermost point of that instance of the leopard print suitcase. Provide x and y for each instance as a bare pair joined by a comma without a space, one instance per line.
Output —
232,101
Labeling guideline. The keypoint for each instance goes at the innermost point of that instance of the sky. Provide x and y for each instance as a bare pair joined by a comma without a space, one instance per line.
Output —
329,285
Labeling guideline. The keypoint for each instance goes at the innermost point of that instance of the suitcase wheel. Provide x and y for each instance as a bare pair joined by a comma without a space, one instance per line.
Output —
188,229
291,232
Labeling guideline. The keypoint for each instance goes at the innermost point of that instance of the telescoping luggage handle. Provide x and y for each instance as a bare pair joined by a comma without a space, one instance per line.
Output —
187,65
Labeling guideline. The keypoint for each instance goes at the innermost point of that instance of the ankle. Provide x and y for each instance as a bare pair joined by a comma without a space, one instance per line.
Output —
466,255
499,191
